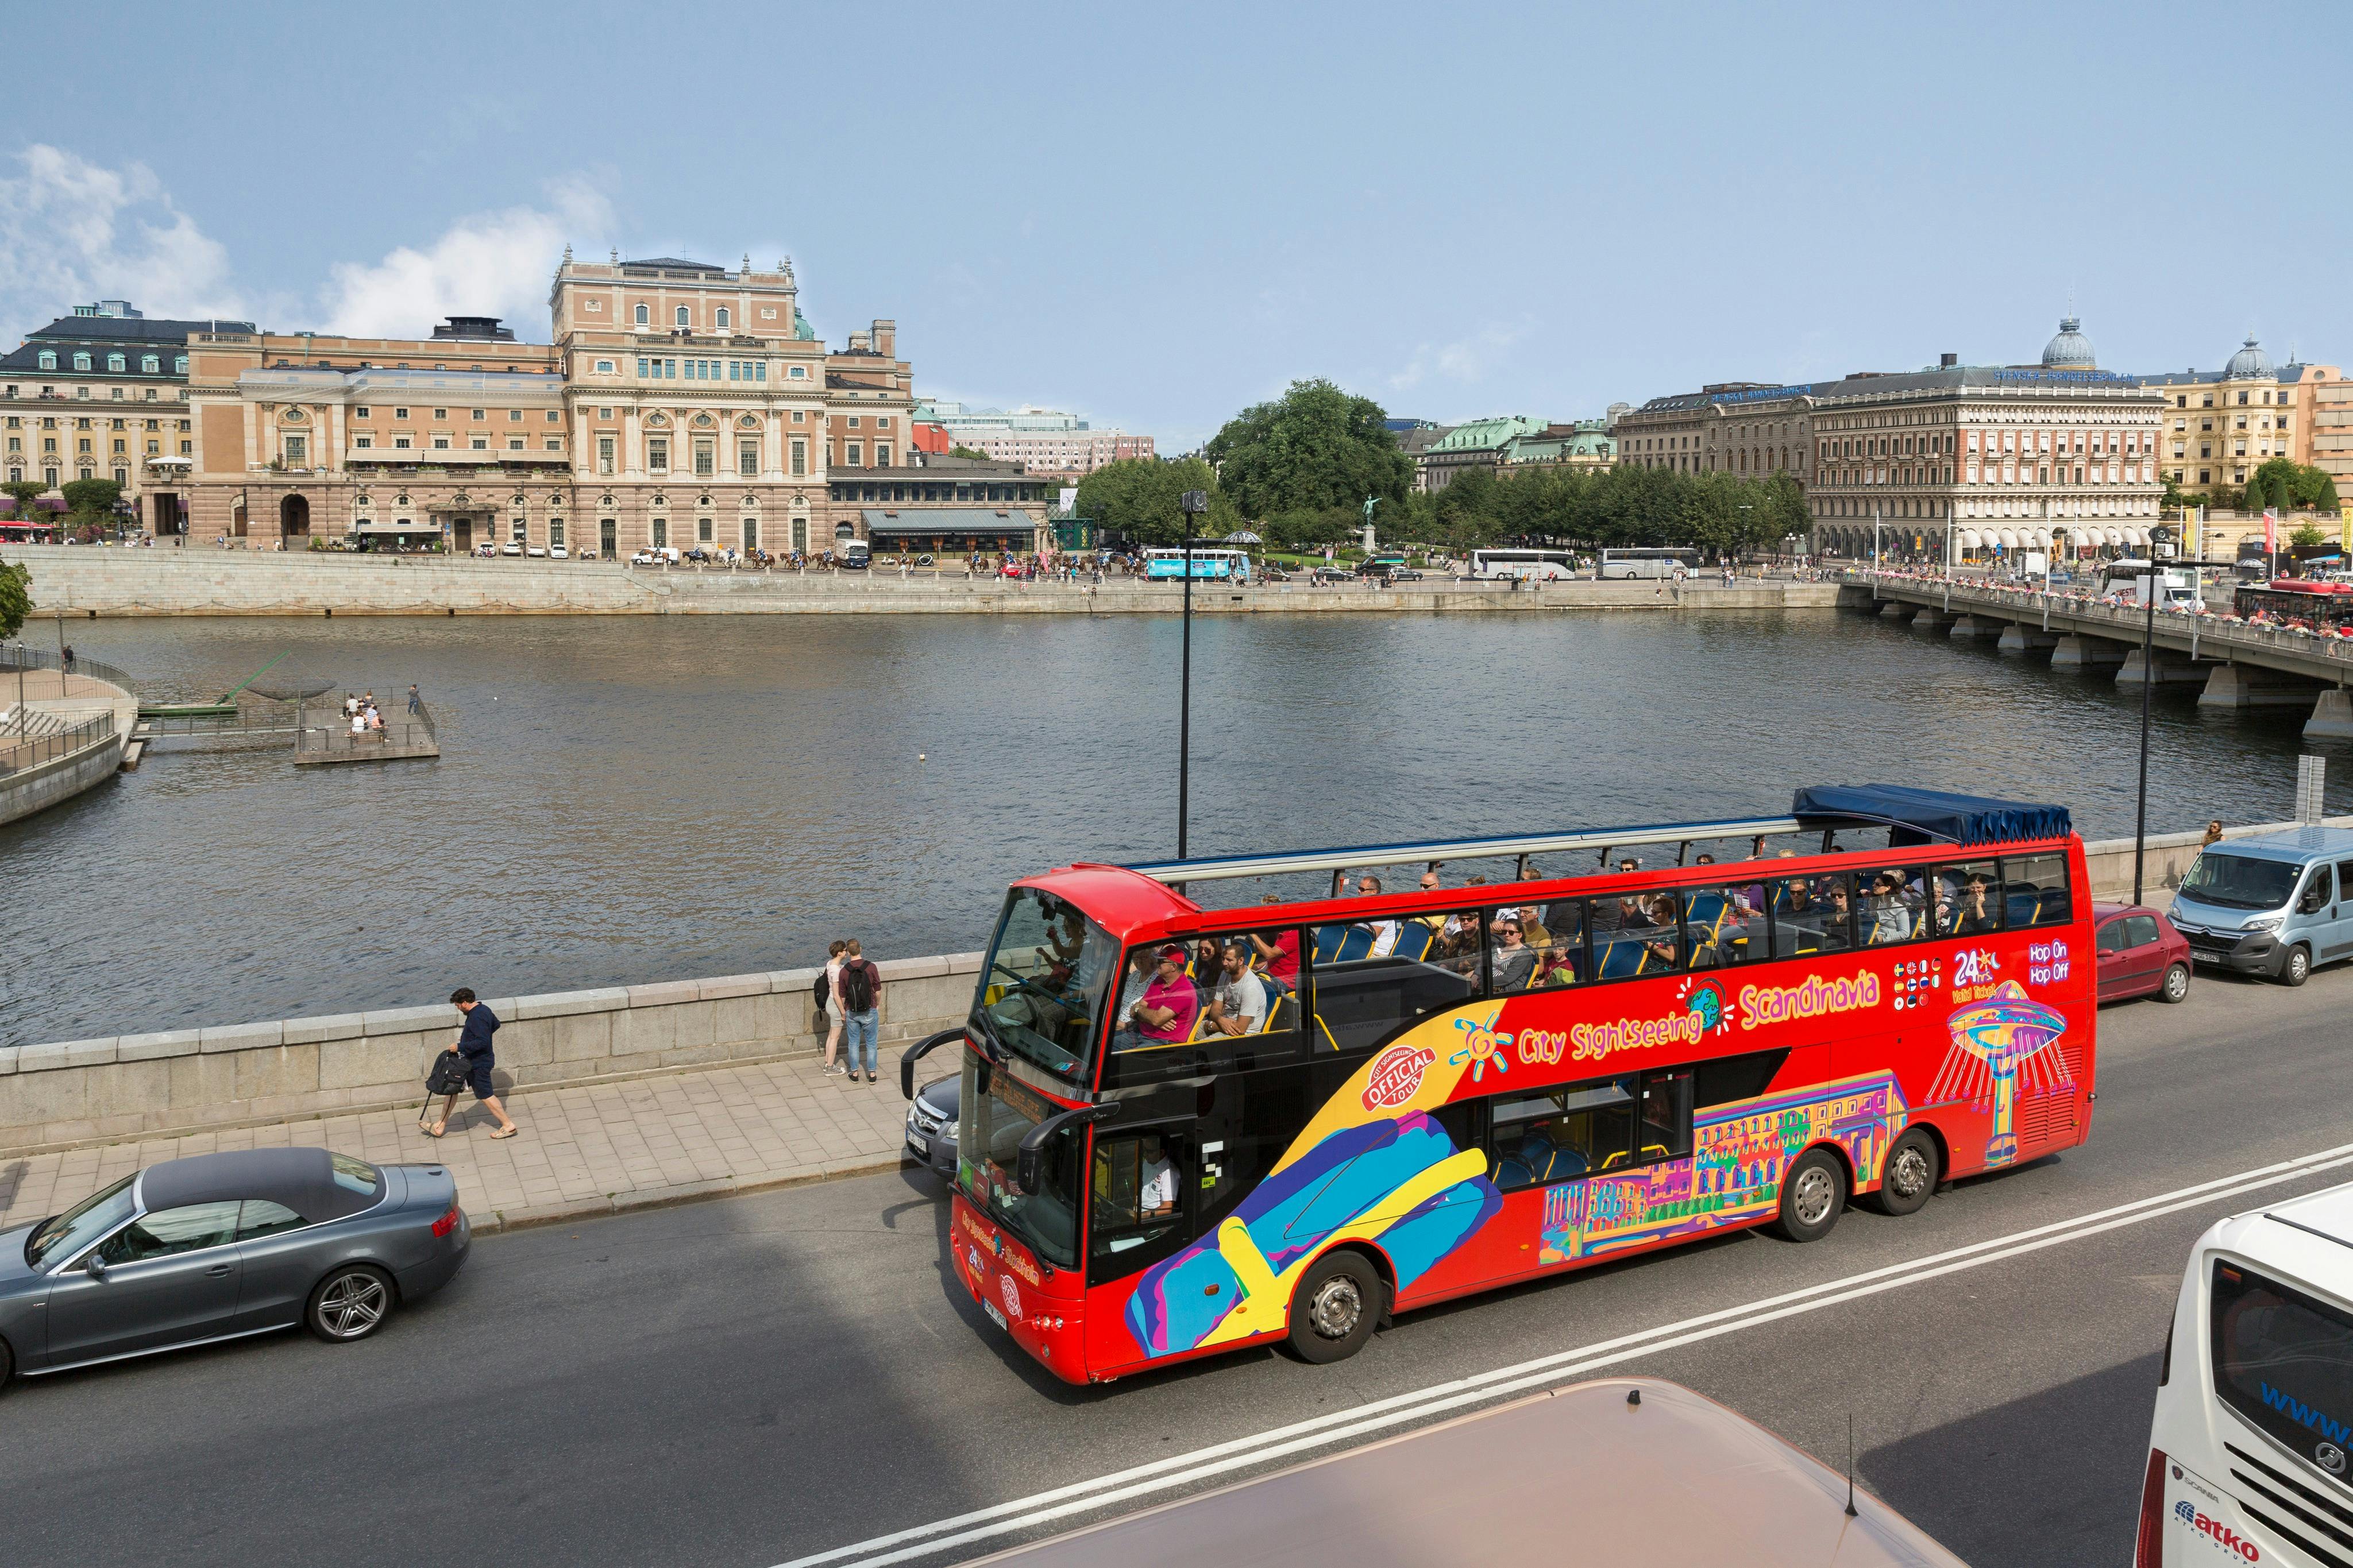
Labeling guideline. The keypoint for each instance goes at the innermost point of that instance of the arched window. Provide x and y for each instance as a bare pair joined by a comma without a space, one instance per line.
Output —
722,318
644,318
683,319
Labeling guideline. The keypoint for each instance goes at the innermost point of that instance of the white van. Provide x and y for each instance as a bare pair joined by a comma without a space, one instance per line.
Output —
2248,1455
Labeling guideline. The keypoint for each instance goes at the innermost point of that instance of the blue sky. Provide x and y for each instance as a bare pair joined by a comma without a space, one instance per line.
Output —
1156,216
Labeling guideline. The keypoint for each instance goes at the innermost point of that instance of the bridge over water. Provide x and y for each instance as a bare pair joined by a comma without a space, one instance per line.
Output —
2235,665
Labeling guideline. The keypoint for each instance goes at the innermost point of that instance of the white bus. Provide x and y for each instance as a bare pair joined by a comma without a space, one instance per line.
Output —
1647,563
1207,564
2251,1453
1538,564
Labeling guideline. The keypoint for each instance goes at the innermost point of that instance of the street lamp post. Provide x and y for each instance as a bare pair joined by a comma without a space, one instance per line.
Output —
1192,503
2161,546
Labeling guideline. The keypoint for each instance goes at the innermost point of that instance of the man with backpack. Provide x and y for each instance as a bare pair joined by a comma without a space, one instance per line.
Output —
858,996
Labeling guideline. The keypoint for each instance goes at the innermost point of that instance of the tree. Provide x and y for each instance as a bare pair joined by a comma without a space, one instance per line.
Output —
16,598
2256,499
91,499
23,493
1315,447
1140,497
2306,536
964,451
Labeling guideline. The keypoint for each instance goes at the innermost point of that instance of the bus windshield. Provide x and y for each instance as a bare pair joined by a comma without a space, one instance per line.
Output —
997,1113
2240,882
1041,991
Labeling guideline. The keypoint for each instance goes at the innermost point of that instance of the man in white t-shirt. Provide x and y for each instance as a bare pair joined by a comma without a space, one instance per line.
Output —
1385,932
1238,1005
1157,1193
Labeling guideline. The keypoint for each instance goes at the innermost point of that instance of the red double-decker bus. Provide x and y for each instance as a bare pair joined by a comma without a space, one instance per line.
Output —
1185,1128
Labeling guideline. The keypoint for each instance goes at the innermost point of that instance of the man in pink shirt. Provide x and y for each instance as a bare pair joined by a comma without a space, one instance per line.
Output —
1168,1007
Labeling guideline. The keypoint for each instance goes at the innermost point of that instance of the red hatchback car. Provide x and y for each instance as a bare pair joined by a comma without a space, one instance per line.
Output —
2140,954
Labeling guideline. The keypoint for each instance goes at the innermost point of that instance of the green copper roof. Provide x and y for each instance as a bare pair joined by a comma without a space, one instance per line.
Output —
1480,434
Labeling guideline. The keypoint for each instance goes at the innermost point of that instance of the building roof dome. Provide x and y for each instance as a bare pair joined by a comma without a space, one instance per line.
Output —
2249,364
2071,349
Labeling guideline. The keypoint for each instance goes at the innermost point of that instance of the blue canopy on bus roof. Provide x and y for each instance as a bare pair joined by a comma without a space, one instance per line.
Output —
1922,816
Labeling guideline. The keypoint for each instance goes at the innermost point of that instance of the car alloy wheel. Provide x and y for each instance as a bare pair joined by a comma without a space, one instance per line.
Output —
2177,983
350,1305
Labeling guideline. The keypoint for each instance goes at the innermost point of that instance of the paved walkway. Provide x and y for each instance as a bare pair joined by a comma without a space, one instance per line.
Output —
583,1150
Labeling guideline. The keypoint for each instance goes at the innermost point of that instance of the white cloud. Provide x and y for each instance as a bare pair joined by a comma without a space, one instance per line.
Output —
71,232
1465,359
492,264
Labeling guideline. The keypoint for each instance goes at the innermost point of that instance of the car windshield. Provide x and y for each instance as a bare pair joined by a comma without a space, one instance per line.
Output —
2240,882
997,1114
70,1232
1041,993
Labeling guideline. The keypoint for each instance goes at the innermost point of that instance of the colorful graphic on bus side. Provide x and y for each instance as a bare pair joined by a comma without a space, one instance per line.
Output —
2000,1046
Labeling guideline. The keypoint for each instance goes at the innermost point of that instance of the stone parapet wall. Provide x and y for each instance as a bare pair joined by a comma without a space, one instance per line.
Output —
200,580
45,784
179,1080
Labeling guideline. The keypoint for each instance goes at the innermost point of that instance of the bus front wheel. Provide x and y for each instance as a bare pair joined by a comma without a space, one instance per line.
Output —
1813,1194
1334,1308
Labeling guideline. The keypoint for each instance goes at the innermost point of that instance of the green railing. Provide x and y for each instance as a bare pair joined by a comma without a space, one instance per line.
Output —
19,655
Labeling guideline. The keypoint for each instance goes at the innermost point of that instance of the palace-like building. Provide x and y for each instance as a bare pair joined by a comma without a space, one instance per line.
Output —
679,403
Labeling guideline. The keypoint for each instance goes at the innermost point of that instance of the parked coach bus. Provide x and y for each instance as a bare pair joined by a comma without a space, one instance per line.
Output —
1217,563
1187,1128
1647,563
1540,565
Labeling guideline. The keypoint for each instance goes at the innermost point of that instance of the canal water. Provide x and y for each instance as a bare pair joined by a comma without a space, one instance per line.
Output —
621,800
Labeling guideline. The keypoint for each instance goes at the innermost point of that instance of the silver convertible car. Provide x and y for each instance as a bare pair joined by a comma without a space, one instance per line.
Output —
221,1245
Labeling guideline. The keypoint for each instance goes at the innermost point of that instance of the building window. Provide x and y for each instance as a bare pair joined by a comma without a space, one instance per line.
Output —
702,530
117,363
555,530
604,453
853,422
683,318
657,455
515,416
48,359
439,413
799,373
881,457
747,458
297,451
643,318
482,444
856,459
604,367
180,364
400,413
722,318
555,444
363,443
81,361
704,459
800,458
400,443
662,524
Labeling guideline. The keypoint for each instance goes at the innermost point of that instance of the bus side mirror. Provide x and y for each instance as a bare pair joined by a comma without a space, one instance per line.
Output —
916,1053
1029,1160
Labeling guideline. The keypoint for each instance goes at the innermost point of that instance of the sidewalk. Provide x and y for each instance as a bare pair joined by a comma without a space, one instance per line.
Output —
584,1151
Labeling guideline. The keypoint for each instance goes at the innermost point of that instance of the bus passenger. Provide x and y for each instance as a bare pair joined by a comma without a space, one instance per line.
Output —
1238,1005
1515,961
1835,928
1972,914
1169,1005
1281,956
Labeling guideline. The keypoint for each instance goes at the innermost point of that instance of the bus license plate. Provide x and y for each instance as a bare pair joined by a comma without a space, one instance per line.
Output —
920,1144
995,1314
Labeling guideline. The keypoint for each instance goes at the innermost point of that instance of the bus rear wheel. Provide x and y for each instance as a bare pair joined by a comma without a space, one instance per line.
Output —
1334,1310
1813,1194
1909,1178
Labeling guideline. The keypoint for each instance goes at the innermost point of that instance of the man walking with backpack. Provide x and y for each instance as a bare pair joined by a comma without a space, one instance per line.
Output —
858,996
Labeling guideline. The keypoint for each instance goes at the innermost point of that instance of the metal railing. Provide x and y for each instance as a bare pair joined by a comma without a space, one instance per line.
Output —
21,656
2208,626
19,751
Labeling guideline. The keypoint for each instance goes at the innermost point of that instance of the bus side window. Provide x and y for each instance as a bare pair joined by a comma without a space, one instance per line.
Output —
1968,899
1372,977
1536,948
1892,908
1235,1011
1139,1193
1666,1130
1562,1133
1813,914
1723,925
2035,890
1744,1077
1637,934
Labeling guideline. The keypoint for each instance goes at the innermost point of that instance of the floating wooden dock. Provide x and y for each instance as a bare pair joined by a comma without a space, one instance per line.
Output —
410,735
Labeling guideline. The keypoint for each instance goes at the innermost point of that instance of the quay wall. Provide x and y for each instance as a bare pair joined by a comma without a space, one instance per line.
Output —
76,1093
196,581
45,782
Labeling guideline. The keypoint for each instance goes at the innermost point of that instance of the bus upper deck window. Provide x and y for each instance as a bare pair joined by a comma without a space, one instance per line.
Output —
1968,899
1813,914
1724,925
1892,905
2035,890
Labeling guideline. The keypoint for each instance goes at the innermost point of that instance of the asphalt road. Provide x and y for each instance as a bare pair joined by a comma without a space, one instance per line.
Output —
747,1383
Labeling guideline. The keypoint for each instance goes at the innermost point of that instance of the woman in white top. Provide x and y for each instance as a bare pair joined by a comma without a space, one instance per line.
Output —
833,1004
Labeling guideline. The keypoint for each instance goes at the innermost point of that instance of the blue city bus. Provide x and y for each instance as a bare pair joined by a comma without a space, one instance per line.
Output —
1222,564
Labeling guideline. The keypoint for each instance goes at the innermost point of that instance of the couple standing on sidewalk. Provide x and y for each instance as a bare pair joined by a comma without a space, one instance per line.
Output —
850,990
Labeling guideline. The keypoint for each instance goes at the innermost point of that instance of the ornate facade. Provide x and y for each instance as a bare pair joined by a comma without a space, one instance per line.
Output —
679,404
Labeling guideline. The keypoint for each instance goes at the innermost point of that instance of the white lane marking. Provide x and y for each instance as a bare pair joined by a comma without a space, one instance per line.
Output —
1181,1470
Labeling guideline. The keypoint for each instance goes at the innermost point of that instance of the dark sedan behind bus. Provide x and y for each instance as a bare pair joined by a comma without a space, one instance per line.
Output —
222,1245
